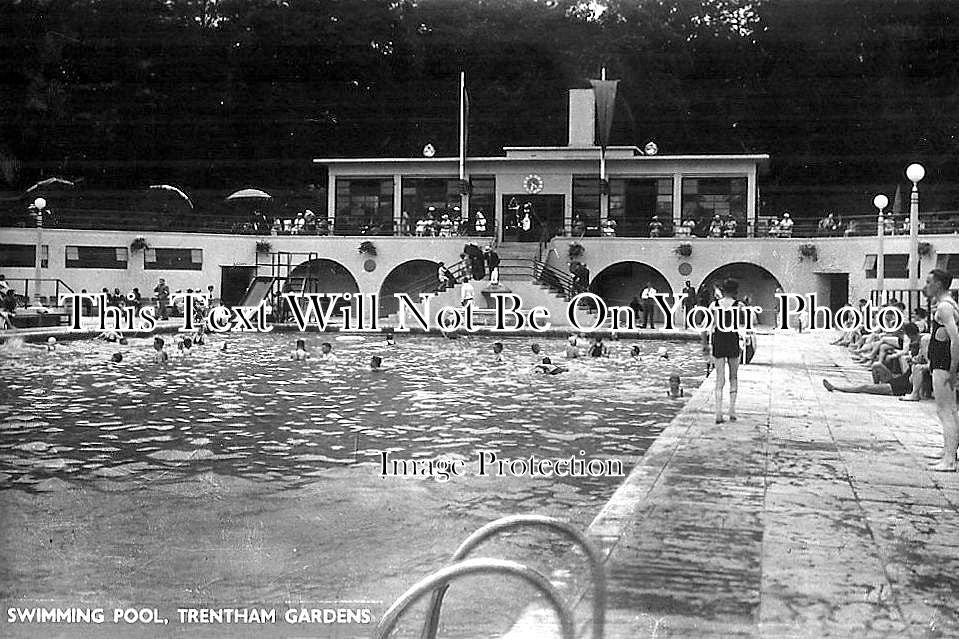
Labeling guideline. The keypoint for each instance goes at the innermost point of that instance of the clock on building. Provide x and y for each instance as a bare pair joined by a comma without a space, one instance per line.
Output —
533,184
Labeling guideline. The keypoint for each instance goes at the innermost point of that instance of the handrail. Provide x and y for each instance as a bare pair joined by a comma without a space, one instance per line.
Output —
470,567
505,524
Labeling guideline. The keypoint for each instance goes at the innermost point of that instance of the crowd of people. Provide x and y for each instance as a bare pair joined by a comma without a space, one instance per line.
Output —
918,361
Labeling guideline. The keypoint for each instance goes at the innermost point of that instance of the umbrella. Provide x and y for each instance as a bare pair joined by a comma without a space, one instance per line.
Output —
249,194
49,182
167,187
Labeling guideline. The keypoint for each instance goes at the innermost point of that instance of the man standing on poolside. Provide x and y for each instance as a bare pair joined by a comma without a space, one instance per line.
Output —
943,362
163,297
649,299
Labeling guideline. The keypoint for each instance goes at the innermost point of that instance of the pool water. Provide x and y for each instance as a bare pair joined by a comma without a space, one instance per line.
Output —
241,477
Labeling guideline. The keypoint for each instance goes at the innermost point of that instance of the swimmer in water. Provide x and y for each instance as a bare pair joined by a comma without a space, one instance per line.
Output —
110,335
390,337
51,344
634,352
326,352
116,358
498,352
572,352
376,363
161,356
675,388
598,349
548,367
300,354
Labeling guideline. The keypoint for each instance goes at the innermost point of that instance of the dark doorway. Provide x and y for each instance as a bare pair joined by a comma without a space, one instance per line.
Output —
838,290
532,218
234,281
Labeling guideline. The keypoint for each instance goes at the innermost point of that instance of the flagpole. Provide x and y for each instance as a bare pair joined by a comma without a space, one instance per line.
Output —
603,193
464,194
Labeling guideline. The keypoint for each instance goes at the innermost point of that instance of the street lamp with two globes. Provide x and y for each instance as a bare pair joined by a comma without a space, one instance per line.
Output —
880,202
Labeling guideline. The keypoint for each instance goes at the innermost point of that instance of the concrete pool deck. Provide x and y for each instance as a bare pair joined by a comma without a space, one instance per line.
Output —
811,516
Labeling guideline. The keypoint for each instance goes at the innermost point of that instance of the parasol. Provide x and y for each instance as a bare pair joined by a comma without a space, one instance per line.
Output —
249,194
167,187
49,182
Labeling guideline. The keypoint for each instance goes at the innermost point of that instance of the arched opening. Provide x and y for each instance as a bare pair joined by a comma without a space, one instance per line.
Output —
757,286
321,276
618,283
413,277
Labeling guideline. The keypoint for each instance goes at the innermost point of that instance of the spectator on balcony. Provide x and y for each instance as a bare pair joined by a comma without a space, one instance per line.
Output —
827,225
446,226
655,227
277,227
299,224
729,226
579,226
852,228
716,227
480,222
609,228
309,222
889,225
322,225
785,226
686,228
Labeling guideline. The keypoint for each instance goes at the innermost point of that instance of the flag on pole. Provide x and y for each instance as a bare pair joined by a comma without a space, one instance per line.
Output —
464,126
605,92
897,202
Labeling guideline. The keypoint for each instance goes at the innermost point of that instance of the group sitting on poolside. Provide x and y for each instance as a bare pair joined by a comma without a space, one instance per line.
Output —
915,365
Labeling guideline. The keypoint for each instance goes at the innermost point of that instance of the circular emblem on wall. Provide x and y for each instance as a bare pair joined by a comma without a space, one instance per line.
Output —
651,148
429,151
369,266
685,268
533,184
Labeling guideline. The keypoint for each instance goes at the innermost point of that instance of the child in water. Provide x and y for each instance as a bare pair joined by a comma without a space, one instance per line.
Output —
598,349
390,337
51,344
497,352
326,352
160,357
548,367
376,364
116,358
675,389
300,354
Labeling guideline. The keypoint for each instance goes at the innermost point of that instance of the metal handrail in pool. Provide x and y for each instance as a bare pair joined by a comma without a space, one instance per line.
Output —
513,522
469,567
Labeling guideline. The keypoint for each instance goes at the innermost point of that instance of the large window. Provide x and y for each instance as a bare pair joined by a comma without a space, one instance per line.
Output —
705,198
482,220
96,257
18,255
173,259
585,206
364,206
894,267
634,202
425,203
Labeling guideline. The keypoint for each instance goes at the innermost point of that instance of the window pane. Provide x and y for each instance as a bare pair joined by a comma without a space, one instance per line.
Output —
96,257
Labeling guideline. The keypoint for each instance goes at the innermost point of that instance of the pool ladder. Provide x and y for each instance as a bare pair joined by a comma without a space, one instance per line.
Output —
438,582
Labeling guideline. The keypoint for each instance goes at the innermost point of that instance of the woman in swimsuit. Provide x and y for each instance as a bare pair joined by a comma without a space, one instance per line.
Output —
725,347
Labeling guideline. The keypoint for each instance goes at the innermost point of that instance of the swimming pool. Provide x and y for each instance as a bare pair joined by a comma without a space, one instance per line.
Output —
244,477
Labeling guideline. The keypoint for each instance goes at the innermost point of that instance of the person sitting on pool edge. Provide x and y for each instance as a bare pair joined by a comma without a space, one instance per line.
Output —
326,352
161,356
548,367
300,354
886,383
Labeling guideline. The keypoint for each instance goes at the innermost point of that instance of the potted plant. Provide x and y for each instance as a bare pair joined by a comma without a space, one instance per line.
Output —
263,246
367,248
684,250
575,250
139,243
924,248
808,250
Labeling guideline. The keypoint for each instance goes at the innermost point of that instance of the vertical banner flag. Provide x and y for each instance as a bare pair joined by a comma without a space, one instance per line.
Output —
897,202
605,92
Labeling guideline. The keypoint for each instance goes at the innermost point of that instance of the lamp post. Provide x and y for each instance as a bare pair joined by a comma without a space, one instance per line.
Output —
880,202
914,172
40,205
